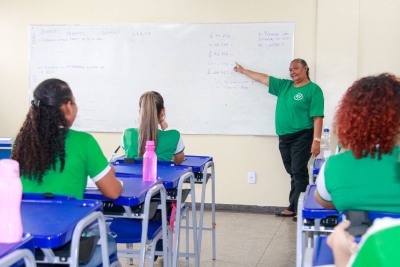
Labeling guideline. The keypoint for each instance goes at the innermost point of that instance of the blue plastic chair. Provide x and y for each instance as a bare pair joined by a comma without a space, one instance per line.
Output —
144,231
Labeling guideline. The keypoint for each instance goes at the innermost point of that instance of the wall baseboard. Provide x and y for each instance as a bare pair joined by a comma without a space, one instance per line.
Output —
242,208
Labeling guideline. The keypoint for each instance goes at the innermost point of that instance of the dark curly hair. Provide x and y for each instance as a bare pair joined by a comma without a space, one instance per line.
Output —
368,117
41,140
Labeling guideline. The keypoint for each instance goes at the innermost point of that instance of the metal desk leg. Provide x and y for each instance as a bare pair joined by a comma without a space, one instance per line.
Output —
213,222
203,193
178,219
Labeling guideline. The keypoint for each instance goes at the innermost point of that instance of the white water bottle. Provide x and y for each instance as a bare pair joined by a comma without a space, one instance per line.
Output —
325,143
10,202
150,163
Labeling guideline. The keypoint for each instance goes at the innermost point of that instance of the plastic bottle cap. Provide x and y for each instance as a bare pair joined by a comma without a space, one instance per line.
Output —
150,143
326,130
9,167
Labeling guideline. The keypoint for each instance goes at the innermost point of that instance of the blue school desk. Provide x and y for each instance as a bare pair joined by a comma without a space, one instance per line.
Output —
5,147
52,222
133,191
169,175
134,194
312,221
203,169
172,178
8,248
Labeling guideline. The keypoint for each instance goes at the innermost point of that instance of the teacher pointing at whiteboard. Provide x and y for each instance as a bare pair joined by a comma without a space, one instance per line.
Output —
298,123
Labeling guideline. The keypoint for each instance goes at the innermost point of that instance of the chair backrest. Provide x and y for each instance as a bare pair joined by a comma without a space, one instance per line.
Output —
362,220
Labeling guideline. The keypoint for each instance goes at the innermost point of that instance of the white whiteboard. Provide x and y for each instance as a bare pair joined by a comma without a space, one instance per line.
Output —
108,67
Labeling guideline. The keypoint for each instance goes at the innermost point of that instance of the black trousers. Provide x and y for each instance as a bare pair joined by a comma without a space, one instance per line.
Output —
295,151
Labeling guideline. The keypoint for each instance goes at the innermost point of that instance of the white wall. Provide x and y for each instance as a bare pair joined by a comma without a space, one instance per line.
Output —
338,39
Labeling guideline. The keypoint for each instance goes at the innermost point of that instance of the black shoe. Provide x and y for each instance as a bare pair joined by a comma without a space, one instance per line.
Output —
294,218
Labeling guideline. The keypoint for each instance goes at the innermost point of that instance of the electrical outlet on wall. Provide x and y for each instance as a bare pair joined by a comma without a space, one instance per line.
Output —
251,177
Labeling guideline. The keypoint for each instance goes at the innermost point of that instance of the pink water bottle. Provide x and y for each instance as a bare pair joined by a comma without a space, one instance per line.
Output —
10,202
150,163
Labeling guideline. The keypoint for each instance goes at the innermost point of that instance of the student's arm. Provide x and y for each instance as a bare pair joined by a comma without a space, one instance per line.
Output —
256,76
316,145
323,203
179,158
321,194
109,185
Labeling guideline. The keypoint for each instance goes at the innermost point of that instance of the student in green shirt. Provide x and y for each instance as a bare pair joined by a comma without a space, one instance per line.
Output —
378,246
54,158
169,143
365,174
298,123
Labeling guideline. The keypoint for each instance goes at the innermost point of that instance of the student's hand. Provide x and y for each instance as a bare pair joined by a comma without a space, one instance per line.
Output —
342,244
163,124
109,185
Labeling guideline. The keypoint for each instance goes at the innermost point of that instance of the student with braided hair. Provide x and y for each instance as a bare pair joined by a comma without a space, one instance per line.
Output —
54,158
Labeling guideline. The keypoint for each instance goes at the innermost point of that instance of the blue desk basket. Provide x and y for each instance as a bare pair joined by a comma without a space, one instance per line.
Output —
5,147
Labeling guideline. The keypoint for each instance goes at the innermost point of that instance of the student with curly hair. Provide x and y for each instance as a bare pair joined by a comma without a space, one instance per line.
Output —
365,175
54,158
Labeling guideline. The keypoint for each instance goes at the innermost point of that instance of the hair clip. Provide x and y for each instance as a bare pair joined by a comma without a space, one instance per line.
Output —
35,102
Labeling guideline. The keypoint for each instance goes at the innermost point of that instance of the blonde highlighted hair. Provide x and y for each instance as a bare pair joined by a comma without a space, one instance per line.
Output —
150,104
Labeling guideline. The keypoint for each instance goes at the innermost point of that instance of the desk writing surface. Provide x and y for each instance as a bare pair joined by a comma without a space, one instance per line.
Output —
197,163
26,242
169,174
312,209
52,221
134,191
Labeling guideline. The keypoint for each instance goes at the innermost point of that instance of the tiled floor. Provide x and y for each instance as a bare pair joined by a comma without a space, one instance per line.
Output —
246,240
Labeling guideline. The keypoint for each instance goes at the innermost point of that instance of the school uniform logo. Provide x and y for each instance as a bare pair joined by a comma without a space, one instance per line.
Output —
298,97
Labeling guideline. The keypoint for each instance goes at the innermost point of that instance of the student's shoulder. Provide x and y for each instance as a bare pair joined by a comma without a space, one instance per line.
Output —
339,159
79,136
131,131
170,133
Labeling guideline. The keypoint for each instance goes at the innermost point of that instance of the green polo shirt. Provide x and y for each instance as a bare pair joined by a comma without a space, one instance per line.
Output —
379,245
363,184
168,144
296,106
83,158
